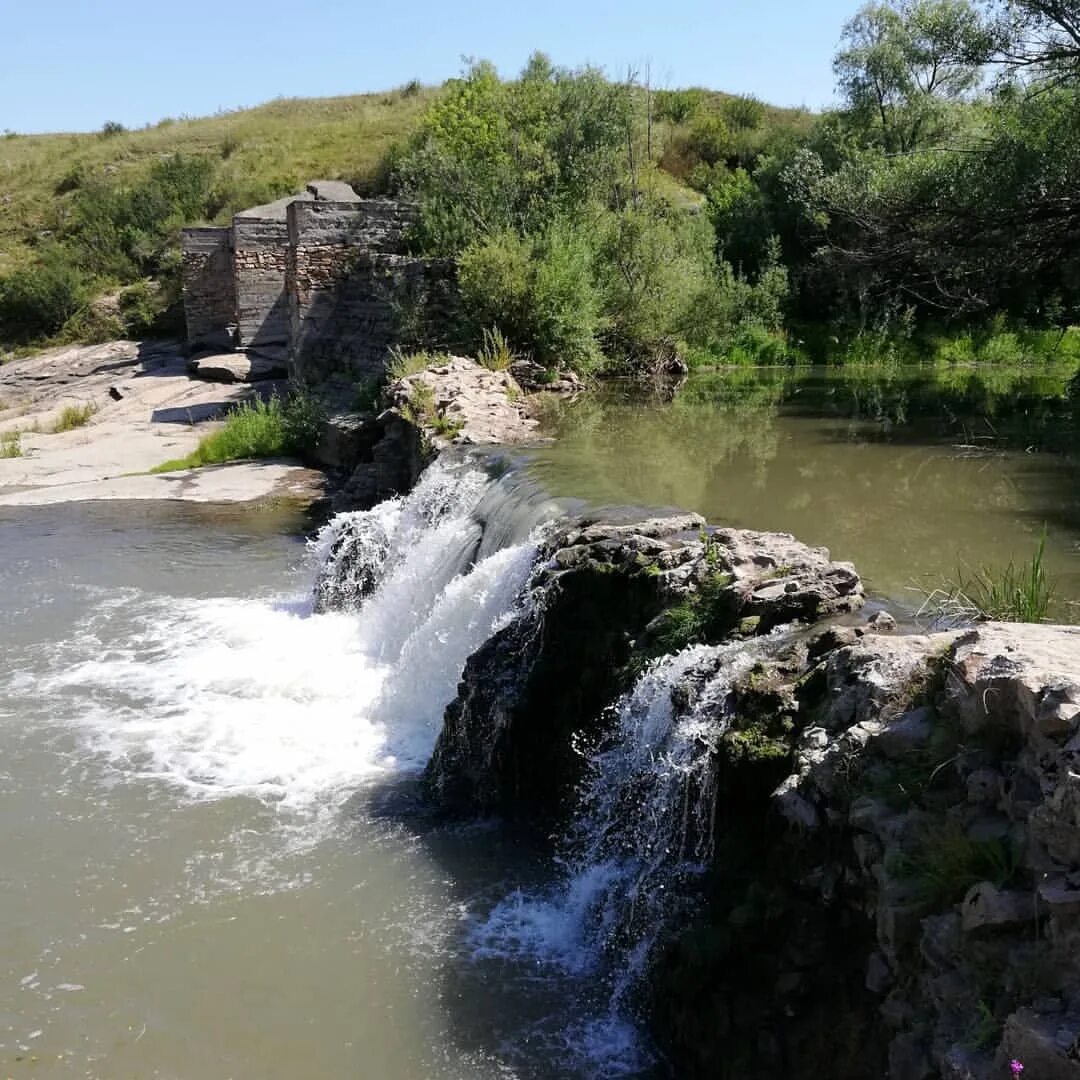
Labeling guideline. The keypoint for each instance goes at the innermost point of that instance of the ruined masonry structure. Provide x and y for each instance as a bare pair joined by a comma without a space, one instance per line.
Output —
321,279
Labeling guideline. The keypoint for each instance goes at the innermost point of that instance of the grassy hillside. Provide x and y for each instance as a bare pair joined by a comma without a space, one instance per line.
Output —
90,222
258,154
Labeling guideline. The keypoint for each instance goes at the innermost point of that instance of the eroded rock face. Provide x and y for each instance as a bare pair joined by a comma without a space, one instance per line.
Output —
606,598
455,403
928,827
461,403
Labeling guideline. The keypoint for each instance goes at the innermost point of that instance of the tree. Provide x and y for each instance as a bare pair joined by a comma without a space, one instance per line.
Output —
905,61
1040,37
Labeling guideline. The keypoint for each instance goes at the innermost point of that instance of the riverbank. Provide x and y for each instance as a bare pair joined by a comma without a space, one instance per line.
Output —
130,407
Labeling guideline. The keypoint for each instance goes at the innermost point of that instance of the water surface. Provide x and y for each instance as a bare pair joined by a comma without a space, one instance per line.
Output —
907,473
215,863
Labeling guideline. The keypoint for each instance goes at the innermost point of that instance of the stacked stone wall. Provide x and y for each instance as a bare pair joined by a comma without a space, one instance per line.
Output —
352,291
260,250
209,288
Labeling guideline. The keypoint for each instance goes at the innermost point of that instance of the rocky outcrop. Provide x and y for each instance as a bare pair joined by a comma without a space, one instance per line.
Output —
455,402
607,597
910,905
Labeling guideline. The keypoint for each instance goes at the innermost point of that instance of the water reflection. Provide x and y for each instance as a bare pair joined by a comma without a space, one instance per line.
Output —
908,473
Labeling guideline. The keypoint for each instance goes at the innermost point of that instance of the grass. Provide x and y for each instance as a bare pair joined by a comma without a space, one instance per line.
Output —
495,353
253,430
947,862
10,444
403,363
1018,592
259,154
74,416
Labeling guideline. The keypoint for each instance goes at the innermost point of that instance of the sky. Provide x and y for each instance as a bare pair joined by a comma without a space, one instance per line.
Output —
72,65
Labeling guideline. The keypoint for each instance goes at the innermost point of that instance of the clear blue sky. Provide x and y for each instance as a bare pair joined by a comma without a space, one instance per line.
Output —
71,65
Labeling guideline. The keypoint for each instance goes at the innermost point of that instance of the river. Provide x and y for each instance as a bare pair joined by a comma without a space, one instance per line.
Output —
216,862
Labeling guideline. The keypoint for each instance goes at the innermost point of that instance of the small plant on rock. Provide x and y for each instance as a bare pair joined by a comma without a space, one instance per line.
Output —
74,416
11,444
495,353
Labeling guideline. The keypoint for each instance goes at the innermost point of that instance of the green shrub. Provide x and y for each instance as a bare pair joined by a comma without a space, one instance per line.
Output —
744,113
495,353
37,300
678,106
257,429
10,444
709,138
542,293
111,127
403,363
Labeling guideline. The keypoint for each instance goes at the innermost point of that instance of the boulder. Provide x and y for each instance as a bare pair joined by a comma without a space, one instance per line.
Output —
986,907
237,367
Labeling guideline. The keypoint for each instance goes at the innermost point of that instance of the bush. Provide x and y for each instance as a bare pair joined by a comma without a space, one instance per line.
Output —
542,293
709,138
744,113
257,429
35,302
111,127
677,106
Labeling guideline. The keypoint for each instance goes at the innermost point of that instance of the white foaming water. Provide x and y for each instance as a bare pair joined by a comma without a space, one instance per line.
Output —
642,829
269,698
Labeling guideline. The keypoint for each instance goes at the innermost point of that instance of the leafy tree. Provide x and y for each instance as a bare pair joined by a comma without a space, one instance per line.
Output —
904,61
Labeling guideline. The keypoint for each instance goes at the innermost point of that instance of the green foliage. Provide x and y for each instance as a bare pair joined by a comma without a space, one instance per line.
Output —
37,300
709,138
1016,593
129,231
495,353
74,416
744,113
403,363
676,106
111,128
947,862
256,429
542,292
10,444
492,156
704,616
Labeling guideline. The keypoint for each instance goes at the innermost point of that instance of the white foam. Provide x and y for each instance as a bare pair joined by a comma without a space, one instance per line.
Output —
264,697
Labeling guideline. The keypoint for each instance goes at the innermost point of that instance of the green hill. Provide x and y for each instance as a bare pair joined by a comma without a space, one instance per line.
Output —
258,154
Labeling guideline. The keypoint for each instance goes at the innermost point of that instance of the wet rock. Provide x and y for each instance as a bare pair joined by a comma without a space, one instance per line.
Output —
1045,1045
881,622
909,1058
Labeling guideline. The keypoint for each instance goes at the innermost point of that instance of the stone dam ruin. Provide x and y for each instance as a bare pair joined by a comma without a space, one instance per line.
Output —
321,281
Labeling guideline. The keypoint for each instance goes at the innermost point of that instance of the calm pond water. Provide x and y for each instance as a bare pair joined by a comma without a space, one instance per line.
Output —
907,473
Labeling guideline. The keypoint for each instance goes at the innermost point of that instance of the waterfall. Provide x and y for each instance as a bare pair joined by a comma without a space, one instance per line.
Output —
640,836
298,700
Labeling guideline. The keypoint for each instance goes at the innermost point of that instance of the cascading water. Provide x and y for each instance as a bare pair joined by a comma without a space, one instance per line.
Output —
641,834
264,697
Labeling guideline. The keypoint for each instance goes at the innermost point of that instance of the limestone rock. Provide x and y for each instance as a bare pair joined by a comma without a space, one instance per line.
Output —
237,367
461,403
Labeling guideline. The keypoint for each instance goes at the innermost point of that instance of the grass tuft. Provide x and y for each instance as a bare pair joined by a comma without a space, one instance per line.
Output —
1014,593
495,353
74,416
10,444
256,429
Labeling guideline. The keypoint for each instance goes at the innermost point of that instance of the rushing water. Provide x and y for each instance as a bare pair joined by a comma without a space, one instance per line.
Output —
909,474
214,861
